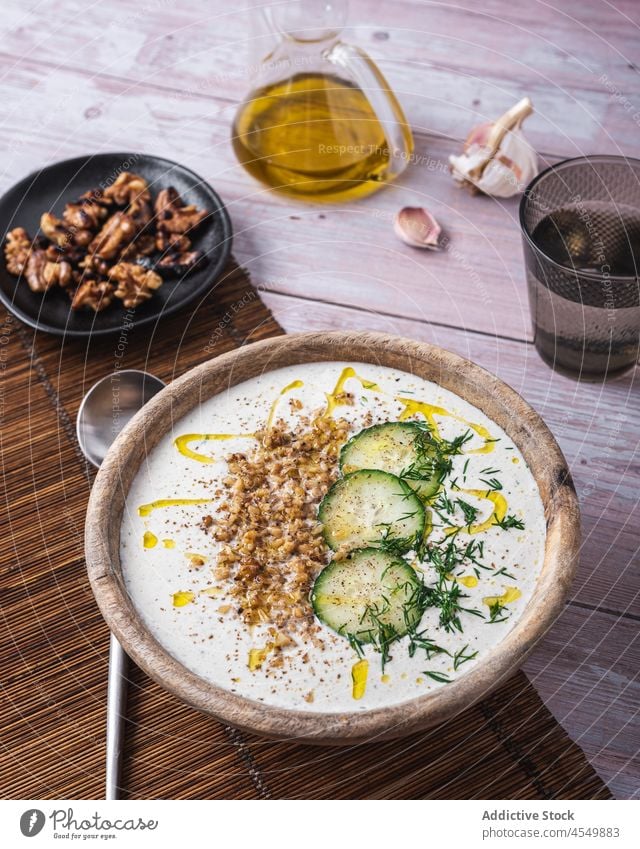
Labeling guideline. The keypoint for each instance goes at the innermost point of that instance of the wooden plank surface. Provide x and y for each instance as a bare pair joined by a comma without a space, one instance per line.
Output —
165,78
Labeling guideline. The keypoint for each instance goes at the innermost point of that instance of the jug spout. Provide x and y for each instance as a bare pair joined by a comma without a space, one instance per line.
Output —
307,20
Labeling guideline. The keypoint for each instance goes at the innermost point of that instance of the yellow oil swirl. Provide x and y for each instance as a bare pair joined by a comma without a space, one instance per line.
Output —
412,407
336,398
183,597
497,515
359,673
257,657
469,581
510,594
146,509
169,543
182,443
149,540
295,384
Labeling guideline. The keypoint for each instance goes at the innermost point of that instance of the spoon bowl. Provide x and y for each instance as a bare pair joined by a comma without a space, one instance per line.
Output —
108,406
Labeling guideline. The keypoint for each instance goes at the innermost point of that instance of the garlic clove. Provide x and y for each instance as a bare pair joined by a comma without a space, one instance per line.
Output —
479,136
417,227
511,169
497,159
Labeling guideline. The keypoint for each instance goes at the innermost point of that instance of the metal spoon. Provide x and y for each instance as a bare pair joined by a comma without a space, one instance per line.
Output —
105,410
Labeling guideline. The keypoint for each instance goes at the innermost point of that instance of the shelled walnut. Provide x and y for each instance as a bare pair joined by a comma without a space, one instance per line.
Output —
94,294
173,216
17,250
108,244
114,236
135,284
127,188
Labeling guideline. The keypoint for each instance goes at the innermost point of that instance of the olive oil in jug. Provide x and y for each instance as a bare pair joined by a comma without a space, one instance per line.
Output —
332,131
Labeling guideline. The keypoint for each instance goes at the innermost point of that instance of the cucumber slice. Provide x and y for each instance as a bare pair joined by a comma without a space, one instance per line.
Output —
370,595
402,448
368,507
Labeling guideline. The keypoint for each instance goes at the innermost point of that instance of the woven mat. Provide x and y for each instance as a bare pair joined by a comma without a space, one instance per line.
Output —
54,651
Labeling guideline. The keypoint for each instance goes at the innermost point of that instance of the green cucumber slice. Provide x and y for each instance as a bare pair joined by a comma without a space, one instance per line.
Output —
371,596
402,448
371,508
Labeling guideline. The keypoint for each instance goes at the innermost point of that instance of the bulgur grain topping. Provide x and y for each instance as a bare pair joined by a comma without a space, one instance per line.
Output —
272,545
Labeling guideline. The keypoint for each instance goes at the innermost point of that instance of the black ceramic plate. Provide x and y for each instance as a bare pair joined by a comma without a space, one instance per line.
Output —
56,185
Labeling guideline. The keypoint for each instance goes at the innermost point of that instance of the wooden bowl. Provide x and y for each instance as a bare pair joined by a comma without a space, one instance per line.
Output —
472,383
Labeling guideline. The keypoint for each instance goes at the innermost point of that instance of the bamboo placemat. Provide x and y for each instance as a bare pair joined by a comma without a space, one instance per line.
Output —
54,650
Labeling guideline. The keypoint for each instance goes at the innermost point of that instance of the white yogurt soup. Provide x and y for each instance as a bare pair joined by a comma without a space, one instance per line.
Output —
332,537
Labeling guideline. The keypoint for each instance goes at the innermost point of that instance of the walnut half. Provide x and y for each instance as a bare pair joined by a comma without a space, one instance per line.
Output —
117,232
128,188
16,250
55,230
93,294
135,284
173,216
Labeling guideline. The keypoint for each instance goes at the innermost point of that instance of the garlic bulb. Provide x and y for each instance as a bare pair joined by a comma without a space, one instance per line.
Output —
417,227
497,159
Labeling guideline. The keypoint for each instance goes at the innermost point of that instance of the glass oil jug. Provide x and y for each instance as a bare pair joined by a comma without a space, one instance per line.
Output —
321,122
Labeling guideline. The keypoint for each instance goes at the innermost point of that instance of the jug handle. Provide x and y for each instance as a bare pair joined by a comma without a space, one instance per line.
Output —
388,111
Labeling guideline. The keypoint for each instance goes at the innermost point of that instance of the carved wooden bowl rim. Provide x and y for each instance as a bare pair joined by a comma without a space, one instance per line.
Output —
497,400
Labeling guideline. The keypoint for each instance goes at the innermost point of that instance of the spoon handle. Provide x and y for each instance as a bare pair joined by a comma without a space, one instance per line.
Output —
116,704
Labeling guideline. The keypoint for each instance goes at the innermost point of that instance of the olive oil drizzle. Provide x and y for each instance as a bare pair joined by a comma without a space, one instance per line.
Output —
468,581
160,503
510,594
182,443
149,540
497,514
359,674
411,407
430,411
295,384
336,398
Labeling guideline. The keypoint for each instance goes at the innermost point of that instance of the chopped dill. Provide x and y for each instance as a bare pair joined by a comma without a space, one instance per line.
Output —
470,512
460,657
355,644
418,640
437,676
495,613
492,484
396,544
446,596
509,522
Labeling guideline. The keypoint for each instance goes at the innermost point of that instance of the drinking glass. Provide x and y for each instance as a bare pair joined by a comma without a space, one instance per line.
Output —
580,223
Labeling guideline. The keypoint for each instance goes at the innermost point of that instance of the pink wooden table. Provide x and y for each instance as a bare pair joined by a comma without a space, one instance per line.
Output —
165,77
